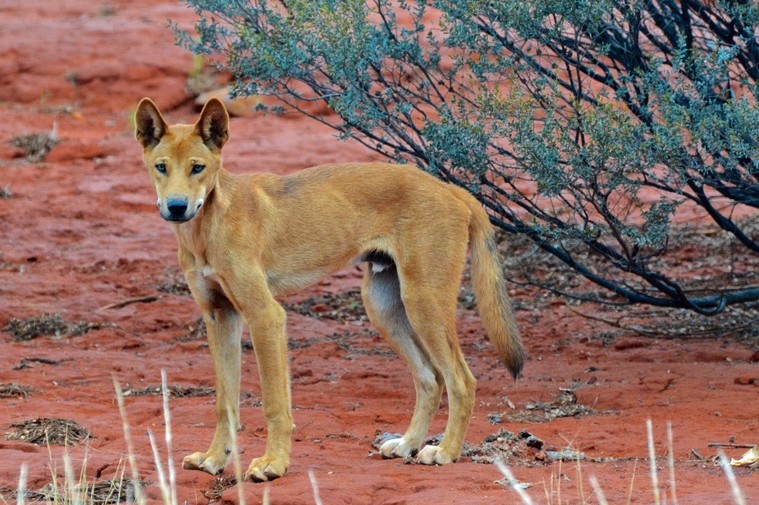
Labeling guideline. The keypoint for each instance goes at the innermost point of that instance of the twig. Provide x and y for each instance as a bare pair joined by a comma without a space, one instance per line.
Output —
673,332
24,363
733,446
129,301
632,482
697,455
615,324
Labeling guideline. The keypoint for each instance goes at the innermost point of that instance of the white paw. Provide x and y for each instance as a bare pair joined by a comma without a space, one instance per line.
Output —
434,455
398,448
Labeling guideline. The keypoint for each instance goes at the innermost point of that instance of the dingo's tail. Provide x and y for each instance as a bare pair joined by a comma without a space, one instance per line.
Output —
493,302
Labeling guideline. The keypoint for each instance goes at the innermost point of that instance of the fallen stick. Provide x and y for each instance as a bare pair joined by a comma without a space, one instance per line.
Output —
697,455
615,324
734,446
129,301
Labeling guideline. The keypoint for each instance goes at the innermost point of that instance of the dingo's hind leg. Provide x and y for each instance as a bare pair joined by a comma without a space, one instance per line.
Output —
430,303
382,300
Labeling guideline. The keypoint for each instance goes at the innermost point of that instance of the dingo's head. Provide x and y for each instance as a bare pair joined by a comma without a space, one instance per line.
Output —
183,161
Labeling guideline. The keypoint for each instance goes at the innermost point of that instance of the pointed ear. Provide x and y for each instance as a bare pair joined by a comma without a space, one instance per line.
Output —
213,125
149,125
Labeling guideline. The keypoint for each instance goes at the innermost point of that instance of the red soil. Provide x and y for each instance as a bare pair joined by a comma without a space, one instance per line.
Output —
80,231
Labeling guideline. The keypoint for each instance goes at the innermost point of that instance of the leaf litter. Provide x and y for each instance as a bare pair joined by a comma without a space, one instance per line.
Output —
523,449
13,390
48,431
750,459
23,330
36,146
345,306
94,493
175,391
565,405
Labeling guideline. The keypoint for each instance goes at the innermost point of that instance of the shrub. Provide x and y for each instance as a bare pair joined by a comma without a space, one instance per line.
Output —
584,125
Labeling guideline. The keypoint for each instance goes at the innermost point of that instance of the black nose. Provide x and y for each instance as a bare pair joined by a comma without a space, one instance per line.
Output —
177,207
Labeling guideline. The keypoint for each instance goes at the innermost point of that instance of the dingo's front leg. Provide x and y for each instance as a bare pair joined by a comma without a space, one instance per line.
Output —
224,328
266,321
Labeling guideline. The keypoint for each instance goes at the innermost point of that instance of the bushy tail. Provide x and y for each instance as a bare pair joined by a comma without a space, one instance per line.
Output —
493,302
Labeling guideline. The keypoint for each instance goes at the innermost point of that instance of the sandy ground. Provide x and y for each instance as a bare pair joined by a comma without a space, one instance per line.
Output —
79,232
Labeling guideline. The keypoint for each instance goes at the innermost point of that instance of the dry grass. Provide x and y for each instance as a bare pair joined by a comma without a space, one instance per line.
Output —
13,390
116,490
48,431
565,405
35,146
73,490
175,391
523,449
554,493
30,328
218,486
92,493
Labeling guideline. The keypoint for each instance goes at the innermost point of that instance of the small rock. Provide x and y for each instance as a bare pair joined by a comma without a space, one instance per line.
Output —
565,455
501,434
534,442
383,437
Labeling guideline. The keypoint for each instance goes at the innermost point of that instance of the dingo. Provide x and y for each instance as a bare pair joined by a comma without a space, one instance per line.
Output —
244,239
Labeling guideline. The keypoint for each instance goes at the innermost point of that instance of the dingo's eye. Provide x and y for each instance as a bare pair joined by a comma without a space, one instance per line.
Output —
161,167
197,168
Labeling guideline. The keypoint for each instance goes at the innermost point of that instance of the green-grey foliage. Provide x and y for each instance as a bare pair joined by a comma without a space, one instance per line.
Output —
583,124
